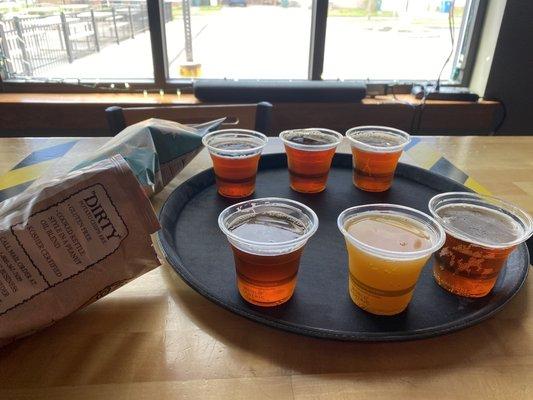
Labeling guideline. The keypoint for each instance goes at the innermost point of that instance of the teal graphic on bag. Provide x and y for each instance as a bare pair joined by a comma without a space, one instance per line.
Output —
156,149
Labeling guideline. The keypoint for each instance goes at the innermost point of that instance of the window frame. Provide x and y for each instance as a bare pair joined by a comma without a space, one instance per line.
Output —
162,81
469,46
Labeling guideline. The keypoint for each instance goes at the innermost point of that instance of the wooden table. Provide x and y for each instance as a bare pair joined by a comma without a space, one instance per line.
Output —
156,338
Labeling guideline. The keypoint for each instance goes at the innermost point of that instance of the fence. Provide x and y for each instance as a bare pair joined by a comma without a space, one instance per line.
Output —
30,45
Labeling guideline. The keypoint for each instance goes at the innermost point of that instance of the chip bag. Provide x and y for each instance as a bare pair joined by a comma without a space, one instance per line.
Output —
69,242
155,149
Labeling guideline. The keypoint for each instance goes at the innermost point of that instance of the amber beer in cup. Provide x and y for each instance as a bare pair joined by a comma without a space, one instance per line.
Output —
481,232
376,151
235,154
267,237
388,245
309,154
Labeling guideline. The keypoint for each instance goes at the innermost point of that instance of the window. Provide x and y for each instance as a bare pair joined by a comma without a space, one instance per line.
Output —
387,40
256,39
71,40
106,41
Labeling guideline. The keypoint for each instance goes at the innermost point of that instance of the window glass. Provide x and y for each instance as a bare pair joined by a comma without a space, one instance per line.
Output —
256,39
70,40
390,39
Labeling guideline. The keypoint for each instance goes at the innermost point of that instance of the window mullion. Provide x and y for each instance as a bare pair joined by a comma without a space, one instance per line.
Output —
319,18
157,39
468,44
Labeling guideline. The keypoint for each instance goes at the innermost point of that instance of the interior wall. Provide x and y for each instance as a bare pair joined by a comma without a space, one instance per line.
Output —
485,52
511,73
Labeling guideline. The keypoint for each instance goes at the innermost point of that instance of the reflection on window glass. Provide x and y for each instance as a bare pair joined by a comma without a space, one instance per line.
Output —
263,39
83,39
390,39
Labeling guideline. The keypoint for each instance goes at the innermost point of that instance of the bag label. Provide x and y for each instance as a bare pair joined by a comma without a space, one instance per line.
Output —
57,243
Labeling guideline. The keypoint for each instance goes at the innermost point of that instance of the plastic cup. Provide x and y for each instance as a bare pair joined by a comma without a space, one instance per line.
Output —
376,151
481,232
309,154
235,154
267,237
381,280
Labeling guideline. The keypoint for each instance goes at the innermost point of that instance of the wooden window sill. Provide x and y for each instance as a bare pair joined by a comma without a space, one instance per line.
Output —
97,98
187,98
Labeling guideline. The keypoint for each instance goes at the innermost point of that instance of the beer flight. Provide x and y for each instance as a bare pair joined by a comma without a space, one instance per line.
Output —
470,234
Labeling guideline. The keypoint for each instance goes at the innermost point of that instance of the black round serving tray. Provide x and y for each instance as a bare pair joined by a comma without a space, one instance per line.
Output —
199,252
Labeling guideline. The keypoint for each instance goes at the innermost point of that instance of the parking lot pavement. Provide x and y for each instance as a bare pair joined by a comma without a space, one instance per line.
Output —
269,42
273,42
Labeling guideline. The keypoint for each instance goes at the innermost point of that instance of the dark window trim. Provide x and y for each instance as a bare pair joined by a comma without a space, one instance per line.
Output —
374,87
160,61
319,20
170,87
103,86
470,45
158,41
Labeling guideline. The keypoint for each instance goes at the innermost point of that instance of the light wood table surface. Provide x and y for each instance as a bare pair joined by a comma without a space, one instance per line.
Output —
156,338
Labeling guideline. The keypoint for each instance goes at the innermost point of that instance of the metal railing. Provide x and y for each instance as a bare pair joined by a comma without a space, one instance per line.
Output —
29,46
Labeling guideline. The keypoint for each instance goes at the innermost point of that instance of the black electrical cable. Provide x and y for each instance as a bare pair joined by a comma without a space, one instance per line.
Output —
422,106
503,118
407,103
451,26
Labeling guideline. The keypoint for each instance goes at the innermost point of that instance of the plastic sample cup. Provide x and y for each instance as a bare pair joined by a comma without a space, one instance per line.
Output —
481,232
388,245
309,154
235,154
267,237
376,151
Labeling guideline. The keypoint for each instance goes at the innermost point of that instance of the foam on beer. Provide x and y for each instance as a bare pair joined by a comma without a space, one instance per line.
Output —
223,146
379,138
310,137
389,232
267,227
480,224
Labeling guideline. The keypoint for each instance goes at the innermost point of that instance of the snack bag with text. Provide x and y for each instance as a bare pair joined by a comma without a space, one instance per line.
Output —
69,242
155,149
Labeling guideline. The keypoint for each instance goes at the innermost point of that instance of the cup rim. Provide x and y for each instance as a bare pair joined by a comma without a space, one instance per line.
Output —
350,133
247,132
264,200
398,210
308,147
484,201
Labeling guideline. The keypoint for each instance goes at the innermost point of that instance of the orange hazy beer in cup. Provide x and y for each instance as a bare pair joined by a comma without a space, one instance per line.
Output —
309,154
481,232
388,245
267,237
376,151
235,154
